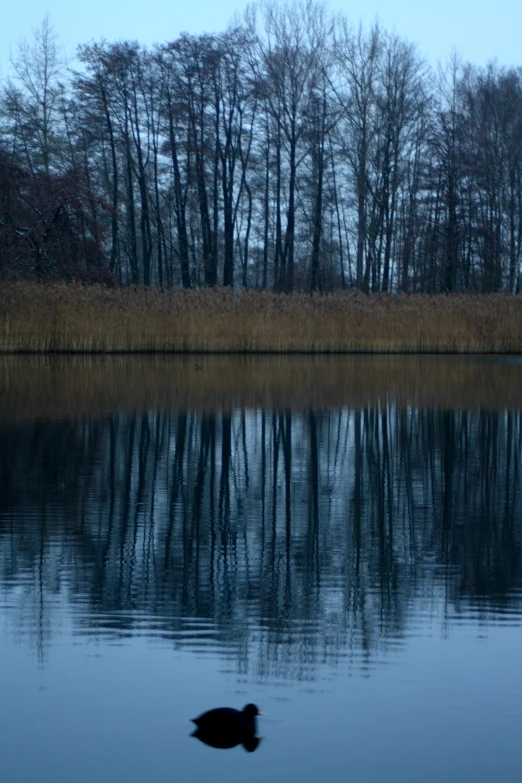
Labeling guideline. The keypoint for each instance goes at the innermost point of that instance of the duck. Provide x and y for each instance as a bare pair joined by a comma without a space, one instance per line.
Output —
226,727
227,718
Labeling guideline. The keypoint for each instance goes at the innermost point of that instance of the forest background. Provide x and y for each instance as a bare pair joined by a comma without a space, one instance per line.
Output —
291,152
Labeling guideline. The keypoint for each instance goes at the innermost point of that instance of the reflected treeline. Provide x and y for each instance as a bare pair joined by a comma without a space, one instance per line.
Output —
284,539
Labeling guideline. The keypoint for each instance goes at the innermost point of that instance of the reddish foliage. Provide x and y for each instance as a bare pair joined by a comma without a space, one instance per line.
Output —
49,225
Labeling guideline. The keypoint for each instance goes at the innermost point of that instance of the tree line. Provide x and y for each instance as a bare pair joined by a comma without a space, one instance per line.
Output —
290,152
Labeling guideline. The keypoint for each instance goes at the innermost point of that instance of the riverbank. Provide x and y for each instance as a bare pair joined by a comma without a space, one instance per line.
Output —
37,318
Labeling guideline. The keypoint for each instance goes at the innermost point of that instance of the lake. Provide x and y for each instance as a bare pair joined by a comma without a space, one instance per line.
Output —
336,539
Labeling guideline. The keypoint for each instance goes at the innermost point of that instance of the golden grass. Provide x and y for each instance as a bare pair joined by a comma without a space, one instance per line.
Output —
71,317
77,386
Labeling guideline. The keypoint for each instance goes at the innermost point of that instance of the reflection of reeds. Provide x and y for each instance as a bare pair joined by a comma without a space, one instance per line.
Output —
59,317
54,386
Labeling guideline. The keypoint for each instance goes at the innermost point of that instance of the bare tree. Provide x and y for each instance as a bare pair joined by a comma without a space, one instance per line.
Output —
290,41
357,59
33,96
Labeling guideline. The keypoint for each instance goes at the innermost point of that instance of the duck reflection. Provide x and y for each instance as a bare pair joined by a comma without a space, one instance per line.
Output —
226,727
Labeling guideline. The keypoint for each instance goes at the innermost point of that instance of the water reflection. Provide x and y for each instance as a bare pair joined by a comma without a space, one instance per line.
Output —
227,741
277,539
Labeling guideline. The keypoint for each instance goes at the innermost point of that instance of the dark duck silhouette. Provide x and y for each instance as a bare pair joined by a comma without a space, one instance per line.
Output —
226,727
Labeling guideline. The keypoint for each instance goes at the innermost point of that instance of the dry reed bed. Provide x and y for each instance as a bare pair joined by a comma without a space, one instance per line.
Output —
75,318
51,387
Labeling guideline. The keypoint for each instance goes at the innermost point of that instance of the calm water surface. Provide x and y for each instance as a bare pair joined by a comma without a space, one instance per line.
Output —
348,558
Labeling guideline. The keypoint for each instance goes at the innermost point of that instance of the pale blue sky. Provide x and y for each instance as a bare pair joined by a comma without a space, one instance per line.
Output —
479,30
